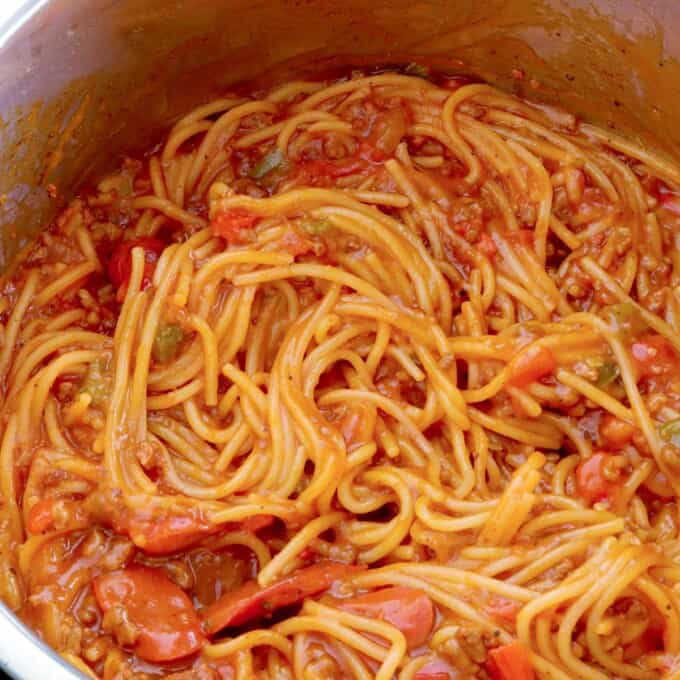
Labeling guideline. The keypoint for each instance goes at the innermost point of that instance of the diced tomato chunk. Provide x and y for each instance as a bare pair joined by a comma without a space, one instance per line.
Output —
654,355
232,224
51,514
592,483
40,516
510,662
615,432
532,364
120,263
257,522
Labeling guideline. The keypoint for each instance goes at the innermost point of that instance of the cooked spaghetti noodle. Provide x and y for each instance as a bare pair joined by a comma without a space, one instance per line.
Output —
374,378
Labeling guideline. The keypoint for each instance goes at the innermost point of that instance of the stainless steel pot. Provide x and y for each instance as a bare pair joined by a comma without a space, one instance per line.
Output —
83,81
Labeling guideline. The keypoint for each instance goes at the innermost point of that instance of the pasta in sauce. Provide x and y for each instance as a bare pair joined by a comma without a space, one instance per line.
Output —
366,378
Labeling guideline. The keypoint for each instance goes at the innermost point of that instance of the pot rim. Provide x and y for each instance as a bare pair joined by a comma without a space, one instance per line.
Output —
24,12
23,655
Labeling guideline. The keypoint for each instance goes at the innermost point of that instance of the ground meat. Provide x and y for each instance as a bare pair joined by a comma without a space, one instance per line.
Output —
467,650
116,622
321,665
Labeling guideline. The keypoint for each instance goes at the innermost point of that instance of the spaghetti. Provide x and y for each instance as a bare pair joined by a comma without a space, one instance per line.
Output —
373,378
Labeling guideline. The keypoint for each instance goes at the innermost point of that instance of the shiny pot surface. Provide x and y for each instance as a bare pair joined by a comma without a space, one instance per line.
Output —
83,81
